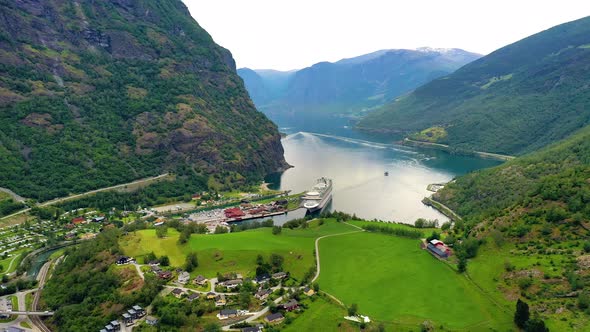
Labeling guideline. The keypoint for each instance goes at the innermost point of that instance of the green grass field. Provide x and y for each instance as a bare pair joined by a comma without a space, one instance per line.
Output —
235,252
321,315
393,280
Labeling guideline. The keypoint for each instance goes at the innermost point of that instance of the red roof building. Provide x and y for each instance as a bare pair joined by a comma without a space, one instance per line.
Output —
78,220
234,213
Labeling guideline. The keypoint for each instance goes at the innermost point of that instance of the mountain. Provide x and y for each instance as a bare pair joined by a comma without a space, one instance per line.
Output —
349,86
512,101
94,93
265,85
531,216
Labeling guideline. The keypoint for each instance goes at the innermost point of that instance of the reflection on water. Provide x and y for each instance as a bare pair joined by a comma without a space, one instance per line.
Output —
357,167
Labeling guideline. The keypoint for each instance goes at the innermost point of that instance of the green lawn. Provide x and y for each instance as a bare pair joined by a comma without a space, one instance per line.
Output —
321,315
425,231
235,252
393,280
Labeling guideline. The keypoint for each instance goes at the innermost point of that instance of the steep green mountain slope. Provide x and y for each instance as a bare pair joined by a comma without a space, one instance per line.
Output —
94,93
515,100
533,214
349,85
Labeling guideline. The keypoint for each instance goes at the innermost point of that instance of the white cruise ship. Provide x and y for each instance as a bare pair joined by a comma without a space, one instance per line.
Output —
318,196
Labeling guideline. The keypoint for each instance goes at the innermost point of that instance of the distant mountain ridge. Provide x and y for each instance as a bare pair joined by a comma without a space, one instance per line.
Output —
349,86
515,100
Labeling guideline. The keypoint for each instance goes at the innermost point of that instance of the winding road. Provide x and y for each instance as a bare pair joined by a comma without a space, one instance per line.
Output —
317,250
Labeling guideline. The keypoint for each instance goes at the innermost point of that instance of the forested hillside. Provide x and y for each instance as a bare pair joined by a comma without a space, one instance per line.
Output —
531,216
515,100
95,93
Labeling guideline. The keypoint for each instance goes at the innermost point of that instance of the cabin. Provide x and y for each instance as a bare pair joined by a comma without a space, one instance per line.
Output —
132,313
109,328
193,296
220,300
263,294
438,248
151,320
274,318
200,280
227,313
211,295
308,291
177,292
183,277
290,305
165,275
279,275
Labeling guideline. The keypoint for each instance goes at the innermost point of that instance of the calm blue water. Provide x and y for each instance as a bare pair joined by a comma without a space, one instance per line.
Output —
357,165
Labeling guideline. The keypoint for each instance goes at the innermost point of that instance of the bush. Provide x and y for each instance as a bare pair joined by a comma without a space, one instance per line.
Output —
404,232
276,230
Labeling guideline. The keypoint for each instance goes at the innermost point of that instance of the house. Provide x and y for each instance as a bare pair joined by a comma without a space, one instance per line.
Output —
220,300
165,275
109,328
151,320
231,284
274,318
139,310
279,275
211,295
227,313
234,213
127,319
177,292
263,294
290,305
183,277
193,296
308,291
438,248
200,280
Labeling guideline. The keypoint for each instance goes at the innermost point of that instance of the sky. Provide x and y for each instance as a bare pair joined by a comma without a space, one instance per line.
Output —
287,34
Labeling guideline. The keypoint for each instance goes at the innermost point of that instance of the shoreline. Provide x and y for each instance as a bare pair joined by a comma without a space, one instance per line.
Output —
446,148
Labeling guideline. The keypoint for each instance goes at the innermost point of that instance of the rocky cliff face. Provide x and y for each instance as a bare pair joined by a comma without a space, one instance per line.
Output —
98,92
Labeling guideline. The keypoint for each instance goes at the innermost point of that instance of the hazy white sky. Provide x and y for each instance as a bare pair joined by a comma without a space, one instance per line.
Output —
288,34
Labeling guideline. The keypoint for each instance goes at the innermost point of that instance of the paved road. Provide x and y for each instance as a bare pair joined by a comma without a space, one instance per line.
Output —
62,199
317,249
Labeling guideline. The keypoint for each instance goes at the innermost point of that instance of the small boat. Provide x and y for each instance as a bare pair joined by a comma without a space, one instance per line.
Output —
386,173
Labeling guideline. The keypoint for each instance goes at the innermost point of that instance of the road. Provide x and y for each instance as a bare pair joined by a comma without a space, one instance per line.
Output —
41,277
317,249
67,198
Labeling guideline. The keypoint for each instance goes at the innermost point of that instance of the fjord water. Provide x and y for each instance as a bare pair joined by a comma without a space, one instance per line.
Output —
357,167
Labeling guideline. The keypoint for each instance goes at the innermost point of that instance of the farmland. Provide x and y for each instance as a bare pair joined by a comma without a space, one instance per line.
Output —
402,284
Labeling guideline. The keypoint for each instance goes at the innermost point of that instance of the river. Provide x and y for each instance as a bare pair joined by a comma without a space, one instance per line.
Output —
357,167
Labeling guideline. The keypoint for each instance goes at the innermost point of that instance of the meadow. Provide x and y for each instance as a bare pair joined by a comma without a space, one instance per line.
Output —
393,280
235,252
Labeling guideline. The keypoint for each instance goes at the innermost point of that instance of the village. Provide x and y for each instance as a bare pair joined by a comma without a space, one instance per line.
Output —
268,298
